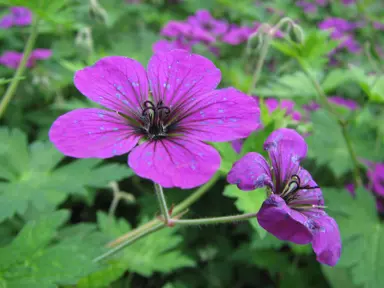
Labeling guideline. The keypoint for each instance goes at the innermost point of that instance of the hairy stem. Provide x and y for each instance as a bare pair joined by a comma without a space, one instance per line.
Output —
177,210
260,63
162,202
20,70
343,124
214,220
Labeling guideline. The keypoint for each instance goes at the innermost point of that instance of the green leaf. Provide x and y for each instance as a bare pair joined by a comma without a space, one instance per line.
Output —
154,253
336,78
327,145
288,86
33,179
373,86
32,261
362,235
248,202
228,155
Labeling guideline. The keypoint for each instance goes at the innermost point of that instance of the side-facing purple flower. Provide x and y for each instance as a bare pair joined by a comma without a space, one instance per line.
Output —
169,110
295,210
207,22
285,104
12,59
19,16
376,177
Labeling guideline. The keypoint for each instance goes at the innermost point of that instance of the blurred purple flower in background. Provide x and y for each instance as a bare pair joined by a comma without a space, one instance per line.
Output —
348,2
12,59
204,20
171,109
295,210
375,175
378,25
342,30
339,101
18,16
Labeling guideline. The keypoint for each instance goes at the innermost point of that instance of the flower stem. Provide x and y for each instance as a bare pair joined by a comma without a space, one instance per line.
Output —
116,249
20,70
260,62
214,220
162,202
343,124
177,210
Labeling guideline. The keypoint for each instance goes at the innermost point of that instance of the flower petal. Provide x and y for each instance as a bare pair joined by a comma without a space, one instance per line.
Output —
91,132
116,82
286,148
307,196
326,241
175,162
250,172
179,76
283,222
221,115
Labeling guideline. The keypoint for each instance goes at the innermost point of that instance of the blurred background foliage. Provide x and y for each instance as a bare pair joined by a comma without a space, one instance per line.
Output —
55,212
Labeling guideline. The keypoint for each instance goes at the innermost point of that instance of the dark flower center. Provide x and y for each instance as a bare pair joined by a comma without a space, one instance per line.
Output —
154,120
291,190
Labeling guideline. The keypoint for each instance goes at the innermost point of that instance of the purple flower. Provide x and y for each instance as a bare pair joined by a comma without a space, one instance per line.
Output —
346,103
19,16
165,45
348,2
378,25
189,33
204,20
307,7
288,105
376,176
294,211
237,35
161,115
12,59
337,24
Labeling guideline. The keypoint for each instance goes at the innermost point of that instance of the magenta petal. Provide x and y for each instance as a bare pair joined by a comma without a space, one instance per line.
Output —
286,148
91,132
179,76
221,115
326,241
41,54
175,162
307,196
116,82
250,172
283,222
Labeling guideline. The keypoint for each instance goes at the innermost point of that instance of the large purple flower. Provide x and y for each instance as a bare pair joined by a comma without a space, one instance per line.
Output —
168,110
12,59
19,16
294,211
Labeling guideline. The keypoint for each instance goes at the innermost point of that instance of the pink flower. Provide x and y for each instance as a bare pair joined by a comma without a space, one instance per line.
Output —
161,116
19,16
12,59
295,210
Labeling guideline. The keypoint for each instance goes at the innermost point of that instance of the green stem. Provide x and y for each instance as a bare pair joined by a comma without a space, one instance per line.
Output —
20,70
260,62
177,210
162,202
214,220
343,124
130,241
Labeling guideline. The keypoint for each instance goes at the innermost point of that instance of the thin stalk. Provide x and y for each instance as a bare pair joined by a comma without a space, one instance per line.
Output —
260,62
214,220
343,124
130,241
162,202
178,209
20,70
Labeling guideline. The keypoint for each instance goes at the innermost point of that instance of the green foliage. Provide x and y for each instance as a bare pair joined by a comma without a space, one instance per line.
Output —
33,177
248,202
155,253
373,86
362,234
34,259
